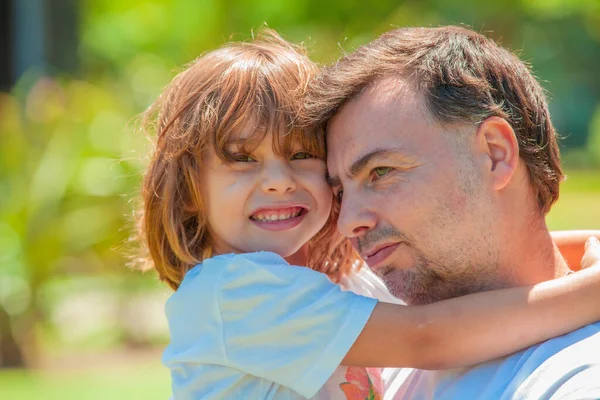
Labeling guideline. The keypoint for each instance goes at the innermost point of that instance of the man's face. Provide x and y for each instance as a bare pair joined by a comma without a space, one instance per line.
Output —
414,199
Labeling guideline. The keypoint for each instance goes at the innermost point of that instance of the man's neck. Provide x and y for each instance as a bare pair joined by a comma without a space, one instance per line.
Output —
532,256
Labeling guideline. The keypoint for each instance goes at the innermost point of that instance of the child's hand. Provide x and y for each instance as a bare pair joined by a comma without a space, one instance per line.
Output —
592,253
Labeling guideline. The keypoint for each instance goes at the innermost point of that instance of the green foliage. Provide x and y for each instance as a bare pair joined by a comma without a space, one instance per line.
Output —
594,136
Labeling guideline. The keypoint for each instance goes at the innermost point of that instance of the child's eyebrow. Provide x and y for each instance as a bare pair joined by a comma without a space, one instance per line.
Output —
240,142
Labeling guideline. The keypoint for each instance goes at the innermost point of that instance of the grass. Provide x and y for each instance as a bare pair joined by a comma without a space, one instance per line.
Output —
115,383
578,206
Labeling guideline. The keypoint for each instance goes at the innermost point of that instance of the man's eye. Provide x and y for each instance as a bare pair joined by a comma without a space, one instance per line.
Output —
381,171
302,155
240,157
338,196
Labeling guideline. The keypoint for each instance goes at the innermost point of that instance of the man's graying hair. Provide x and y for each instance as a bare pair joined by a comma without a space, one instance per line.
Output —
464,77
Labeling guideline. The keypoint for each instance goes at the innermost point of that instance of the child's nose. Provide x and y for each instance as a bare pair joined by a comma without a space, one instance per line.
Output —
278,178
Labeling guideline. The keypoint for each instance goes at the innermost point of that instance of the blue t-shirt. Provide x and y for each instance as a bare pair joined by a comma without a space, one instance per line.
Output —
565,368
250,326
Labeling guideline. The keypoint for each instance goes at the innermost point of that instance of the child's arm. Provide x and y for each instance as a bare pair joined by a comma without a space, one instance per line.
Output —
571,244
478,327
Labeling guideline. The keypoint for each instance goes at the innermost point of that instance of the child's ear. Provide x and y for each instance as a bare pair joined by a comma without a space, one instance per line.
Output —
499,142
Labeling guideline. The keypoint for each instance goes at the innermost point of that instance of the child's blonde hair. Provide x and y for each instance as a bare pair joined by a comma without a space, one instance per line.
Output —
260,84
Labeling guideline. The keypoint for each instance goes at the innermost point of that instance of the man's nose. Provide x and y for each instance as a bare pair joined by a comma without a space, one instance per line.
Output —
277,177
355,217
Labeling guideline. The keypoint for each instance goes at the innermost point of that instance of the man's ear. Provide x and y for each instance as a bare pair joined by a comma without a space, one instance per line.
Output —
501,146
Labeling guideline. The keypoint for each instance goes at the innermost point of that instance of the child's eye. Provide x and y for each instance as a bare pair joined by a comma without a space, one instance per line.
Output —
380,171
241,157
302,155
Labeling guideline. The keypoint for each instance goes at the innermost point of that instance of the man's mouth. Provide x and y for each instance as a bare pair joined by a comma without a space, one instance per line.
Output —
379,253
277,214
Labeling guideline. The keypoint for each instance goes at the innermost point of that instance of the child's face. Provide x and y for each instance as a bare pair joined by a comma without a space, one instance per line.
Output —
264,201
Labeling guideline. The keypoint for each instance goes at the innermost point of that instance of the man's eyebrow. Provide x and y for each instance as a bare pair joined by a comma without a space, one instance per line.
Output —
359,165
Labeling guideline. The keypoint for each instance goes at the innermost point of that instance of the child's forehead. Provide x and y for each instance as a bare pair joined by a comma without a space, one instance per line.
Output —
249,134
245,132
245,138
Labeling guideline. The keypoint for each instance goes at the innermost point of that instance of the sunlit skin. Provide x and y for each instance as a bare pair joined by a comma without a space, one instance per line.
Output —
435,210
243,195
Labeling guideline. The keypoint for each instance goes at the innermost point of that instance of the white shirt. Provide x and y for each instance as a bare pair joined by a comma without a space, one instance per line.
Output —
250,326
355,382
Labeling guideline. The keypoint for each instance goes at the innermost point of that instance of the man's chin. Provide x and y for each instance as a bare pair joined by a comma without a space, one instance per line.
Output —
410,287
411,297
425,283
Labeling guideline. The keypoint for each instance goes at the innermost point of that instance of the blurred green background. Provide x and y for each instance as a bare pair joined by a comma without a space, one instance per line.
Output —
76,320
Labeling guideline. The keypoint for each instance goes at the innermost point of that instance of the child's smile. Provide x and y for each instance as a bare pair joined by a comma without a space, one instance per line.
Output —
279,217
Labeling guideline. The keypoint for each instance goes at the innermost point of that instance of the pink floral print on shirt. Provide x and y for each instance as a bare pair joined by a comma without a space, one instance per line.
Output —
363,384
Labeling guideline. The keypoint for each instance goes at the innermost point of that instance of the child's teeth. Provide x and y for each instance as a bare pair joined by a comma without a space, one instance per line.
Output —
277,217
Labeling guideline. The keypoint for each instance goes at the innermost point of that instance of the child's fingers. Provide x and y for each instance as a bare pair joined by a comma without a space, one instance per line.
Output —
592,253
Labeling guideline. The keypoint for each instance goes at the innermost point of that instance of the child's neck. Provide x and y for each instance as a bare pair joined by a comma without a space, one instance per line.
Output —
299,258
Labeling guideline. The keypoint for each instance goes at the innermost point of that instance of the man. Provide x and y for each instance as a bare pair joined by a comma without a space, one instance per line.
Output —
445,162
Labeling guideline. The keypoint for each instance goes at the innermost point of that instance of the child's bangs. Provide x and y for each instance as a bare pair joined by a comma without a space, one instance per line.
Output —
287,141
267,103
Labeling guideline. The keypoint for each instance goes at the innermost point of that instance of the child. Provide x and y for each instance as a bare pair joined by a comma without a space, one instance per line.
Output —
234,192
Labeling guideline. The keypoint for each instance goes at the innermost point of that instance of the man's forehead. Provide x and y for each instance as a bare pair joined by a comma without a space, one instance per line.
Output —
389,116
385,97
381,101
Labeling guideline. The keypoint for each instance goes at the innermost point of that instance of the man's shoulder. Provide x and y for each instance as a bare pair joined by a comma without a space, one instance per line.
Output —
551,363
588,332
562,349
561,364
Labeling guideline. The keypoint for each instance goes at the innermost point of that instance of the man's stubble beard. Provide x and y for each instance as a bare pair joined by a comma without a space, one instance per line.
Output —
446,272
426,282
